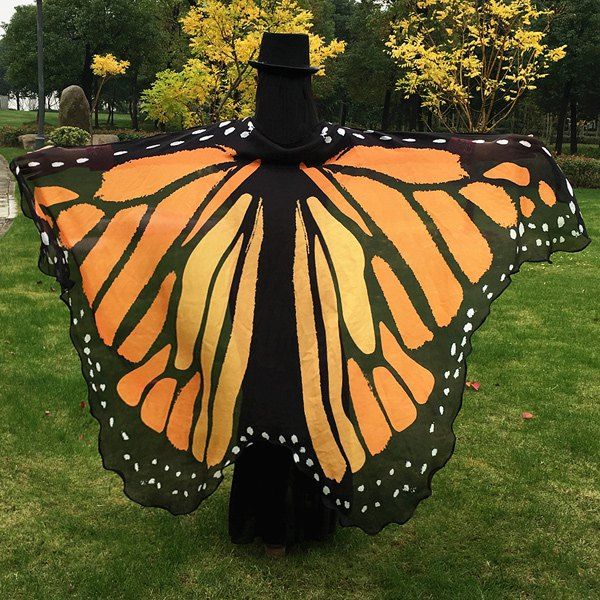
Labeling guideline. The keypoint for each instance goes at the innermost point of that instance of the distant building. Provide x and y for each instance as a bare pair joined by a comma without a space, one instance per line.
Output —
29,103
25,103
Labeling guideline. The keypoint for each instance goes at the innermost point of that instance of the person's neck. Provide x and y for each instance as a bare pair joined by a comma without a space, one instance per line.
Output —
285,109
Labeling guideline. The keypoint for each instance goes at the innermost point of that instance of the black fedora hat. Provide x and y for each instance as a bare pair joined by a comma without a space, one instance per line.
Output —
285,53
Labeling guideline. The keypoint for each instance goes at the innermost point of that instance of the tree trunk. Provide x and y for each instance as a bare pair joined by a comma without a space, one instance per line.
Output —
548,129
412,115
135,100
562,117
87,77
419,111
18,99
110,107
400,115
94,111
135,119
573,126
385,115
343,113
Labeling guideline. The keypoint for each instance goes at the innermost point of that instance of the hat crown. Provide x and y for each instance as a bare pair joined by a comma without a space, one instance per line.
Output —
285,50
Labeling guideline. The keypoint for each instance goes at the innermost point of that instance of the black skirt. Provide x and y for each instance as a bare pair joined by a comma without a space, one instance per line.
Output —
272,500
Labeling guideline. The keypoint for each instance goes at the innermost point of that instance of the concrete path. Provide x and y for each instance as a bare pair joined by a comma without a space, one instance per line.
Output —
8,205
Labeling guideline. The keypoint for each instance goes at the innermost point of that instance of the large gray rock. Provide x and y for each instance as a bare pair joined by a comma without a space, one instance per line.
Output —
28,141
74,109
104,138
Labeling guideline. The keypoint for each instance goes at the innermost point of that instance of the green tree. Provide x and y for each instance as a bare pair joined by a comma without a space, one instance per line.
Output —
573,86
176,43
128,28
18,54
76,30
364,77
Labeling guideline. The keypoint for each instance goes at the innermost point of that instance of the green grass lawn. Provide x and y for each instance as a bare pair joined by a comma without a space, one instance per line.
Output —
10,153
16,118
515,513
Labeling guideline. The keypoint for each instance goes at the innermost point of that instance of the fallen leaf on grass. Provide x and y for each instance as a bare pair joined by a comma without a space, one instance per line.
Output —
527,415
82,405
47,413
474,385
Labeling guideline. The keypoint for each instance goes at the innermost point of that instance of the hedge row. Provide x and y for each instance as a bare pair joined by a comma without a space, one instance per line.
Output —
9,135
580,171
127,135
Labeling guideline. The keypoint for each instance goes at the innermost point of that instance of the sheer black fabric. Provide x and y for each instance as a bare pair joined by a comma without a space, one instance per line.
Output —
272,500
270,497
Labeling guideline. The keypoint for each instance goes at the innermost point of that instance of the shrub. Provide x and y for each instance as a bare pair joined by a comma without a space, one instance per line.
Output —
132,136
125,135
69,137
9,135
588,150
580,170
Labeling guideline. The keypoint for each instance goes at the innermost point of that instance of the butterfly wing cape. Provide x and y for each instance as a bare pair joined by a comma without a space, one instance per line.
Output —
224,290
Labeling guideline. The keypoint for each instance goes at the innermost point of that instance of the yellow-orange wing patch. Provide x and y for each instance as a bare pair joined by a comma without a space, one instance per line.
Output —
411,165
466,243
547,194
510,172
435,235
140,340
237,354
410,325
146,176
492,200
408,233
326,447
76,222
51,195
526,205
175,211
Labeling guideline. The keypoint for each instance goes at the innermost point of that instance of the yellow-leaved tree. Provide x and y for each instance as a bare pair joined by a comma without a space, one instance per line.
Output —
217,82
105,66
471,61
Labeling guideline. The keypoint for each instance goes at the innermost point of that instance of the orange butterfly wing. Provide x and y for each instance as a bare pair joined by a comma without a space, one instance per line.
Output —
152,246
408,250
397,254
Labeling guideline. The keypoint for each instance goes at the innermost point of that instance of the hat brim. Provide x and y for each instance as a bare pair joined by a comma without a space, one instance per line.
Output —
283,69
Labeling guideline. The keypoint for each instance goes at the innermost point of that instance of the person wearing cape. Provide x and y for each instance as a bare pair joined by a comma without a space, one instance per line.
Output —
270,497
226,289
